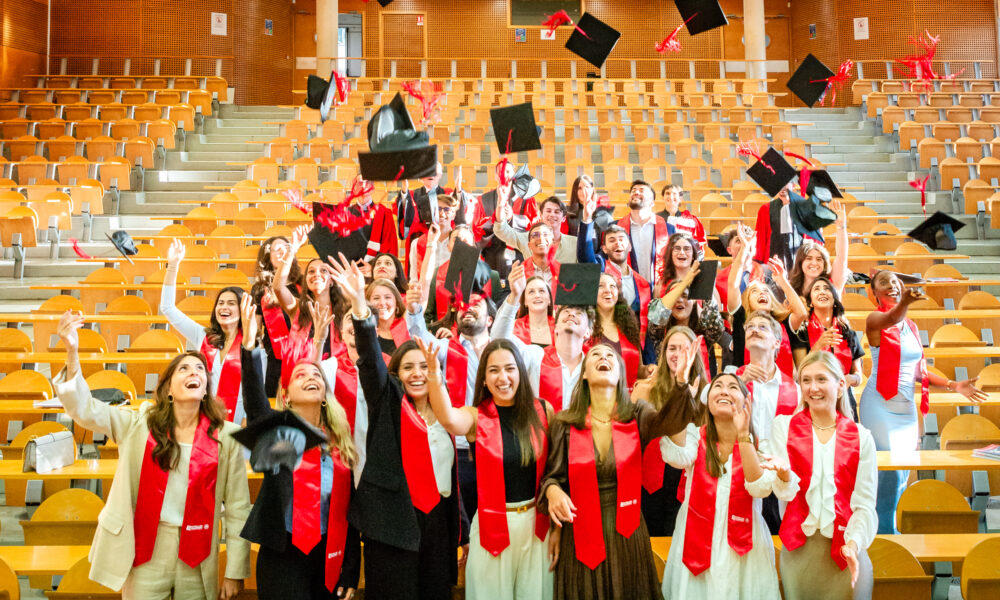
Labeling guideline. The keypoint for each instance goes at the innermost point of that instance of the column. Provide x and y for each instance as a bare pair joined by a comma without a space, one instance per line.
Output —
753,38
326,36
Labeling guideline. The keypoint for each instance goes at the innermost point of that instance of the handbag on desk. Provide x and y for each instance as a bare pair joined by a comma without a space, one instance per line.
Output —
47,453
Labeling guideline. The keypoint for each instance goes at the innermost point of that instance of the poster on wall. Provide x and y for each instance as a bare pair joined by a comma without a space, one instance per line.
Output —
219,23
861,28
268,27
547,34
520,35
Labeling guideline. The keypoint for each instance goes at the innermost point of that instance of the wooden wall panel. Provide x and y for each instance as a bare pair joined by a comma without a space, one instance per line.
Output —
22,40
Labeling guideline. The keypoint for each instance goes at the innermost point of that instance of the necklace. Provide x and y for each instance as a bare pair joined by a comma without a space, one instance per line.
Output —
824,427
599,420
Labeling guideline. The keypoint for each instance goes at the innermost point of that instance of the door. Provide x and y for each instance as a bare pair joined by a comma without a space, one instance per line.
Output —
304,48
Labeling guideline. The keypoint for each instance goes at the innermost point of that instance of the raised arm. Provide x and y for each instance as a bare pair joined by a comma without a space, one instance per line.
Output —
671,296
878,320
252,374
279,284
842,245
799,314
503,323
738,268
184,324
585,252
458,421
428,266
502,228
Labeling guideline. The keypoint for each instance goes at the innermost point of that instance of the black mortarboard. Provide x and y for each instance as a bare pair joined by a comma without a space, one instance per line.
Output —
938,231
461,274
518,123
703,285
278,440
811,214
123,243
707,15
805,82
398,151
577,284
385,3
353,246
320,94
822,179
719,245
772,183
595,43
524,184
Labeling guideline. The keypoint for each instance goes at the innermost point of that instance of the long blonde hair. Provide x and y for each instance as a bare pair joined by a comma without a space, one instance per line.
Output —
829,362
665,382
778,310
334,419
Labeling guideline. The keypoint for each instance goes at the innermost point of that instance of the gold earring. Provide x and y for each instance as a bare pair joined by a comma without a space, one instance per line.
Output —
170,398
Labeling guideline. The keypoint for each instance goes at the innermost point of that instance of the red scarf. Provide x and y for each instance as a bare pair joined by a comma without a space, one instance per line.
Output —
701,512
345,387
457,372
550,378
228,390
630,354
277,328
785,361
530,271
788,394
642,290
306,510
845,467
522,329
661,235
199,509
493,533
887,378
842,351
417,463
442,299
588,528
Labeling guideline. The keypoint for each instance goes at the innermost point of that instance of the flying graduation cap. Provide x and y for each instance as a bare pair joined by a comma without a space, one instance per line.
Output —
398,151
593,40
810,80
514,128
938,231
821,180
278,440
577,284
772,172
701,15
461,274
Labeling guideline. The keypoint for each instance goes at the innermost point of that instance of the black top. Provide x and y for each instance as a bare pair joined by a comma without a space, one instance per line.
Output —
518,480
266,523
388,345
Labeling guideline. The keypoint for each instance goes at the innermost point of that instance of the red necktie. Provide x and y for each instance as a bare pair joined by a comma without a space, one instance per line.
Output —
306,501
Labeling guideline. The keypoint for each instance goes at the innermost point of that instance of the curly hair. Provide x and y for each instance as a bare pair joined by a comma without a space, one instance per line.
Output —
213,333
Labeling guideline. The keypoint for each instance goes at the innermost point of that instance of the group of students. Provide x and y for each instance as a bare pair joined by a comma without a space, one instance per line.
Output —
546,441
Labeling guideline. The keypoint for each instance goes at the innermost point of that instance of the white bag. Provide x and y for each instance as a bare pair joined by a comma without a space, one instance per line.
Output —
47,453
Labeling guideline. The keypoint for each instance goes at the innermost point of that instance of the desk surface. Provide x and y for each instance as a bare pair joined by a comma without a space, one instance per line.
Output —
89,358
931,460
94,468
42,560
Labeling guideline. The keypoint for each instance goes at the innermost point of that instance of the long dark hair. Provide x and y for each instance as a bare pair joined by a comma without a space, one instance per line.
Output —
574,205
161,419
579,405
213,333
669,272
397,357
713,461
797,277
400,279
623,317
527,426
264,261
839,312
694,320
337,301
523,307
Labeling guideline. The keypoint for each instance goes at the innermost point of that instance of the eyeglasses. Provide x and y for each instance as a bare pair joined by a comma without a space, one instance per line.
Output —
537,235
682,250
756,327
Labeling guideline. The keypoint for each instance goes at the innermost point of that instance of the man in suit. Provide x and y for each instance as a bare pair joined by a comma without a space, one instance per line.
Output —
481,212
418,209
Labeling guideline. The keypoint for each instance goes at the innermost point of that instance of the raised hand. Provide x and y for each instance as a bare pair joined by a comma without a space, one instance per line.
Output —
351,281
68,324
433,235
741,418
430,355
777,269
321,317
414,297
366,268
248,320
838,207
458,181
754,372
831,338
175,254
561,507
692,273
911,295
684,373
968,389
589,207
516,279
781,469
300,237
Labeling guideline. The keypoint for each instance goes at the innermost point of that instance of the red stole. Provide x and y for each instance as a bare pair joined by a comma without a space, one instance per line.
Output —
842,351
277,328
588,527
800,459
550,380
199,509
442,299
306,512
493,533
701,512
418,467
788,394
642,291
887,378
345,387
400,332
661,235
785,361
228,390
632,358
457,372
530,271
522,329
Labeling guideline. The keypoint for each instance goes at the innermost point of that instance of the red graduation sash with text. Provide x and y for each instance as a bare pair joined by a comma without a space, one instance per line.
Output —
845,468
550,380
277,328
228,390
701,512
336,524
887,378
842,351
588,528
199,508
493,532
345,388
418,467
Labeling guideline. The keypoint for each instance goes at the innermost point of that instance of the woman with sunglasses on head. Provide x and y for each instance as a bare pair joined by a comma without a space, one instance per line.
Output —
219,343
178,465
721,545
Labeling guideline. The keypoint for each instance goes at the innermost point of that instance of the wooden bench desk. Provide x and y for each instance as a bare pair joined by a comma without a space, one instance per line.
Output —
93,468
933,460
42,560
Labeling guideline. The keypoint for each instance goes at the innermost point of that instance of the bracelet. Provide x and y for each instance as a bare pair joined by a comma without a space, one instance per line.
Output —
744,439
948,385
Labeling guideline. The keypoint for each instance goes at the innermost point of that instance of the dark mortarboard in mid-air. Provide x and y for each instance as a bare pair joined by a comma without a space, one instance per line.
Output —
707,15
278,440
821,179
811,214
524,183
517,124
398,151
772,182
703,285
461,274
720,244
904,278
938,231
385,3
123,243
577,284
807,81
592,40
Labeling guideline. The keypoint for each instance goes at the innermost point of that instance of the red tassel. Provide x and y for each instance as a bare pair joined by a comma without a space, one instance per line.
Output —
836,81
430,99
562,18
343,86
749,148
294,197
921,184
76,248
671,43
920,65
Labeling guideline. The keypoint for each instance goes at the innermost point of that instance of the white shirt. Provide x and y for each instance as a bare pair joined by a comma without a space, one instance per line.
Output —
786,218
442,255
863,524
432,201
175,494
643,237
628,288
442,455
765,404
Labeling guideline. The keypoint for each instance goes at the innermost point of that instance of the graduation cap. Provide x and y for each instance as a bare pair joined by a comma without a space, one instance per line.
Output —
812,214
385,3
461,274
707,15
938,231
524,184
515,123
820,180
353,246
719,245
398,151
592,40
772,182
806,82
123,243
278,440
904,278
703,285
577,284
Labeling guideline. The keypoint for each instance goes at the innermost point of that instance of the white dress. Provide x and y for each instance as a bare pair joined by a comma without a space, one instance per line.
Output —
731,576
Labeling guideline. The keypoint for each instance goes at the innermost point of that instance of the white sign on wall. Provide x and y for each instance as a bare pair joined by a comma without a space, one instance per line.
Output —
861,28
548,34
219,23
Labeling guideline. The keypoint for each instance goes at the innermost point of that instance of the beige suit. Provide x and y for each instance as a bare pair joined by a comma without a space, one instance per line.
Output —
113,550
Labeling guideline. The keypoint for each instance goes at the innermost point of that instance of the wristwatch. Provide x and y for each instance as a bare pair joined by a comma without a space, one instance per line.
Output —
744,439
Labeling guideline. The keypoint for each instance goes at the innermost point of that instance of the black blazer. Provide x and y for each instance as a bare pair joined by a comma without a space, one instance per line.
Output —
381,508
266,523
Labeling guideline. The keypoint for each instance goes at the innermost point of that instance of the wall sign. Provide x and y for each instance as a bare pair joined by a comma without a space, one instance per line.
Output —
219,23
268,27
861,28
520,34
547,34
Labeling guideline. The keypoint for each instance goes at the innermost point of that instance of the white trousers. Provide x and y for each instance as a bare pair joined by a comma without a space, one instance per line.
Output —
520,572
164,575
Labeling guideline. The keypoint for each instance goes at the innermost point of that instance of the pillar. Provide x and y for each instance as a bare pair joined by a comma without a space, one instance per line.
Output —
326,36
754,37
